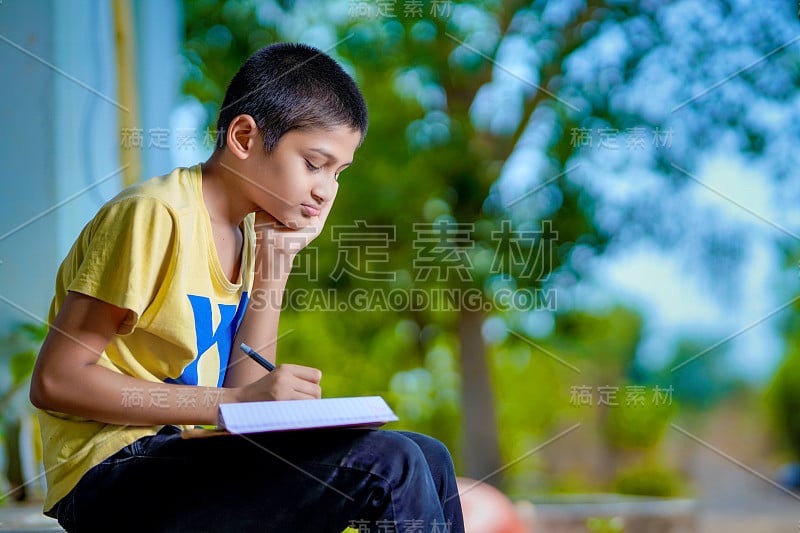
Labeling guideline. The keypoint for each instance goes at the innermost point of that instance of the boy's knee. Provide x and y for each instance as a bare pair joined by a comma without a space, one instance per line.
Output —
433,449
392,455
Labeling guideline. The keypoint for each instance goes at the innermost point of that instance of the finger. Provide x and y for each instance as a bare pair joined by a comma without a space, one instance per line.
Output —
306,388
306,373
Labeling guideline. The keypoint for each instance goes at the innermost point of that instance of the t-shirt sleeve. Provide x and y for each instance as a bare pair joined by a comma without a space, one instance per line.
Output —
127,256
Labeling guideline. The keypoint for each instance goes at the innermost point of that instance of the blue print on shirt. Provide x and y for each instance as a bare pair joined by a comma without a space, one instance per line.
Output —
230,319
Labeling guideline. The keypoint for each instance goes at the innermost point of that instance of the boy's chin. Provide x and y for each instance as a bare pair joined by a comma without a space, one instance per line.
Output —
296,223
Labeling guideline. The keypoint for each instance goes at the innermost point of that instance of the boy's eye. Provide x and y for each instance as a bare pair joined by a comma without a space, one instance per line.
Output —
311,167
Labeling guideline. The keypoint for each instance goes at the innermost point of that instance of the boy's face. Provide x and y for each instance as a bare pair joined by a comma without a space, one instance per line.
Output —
298,180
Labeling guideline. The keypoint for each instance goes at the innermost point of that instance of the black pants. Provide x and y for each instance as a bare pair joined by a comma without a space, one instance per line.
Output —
306,481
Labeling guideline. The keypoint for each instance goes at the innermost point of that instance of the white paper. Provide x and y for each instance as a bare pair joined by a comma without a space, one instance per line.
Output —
254,417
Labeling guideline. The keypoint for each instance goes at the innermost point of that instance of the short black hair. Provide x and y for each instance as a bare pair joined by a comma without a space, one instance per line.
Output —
289,86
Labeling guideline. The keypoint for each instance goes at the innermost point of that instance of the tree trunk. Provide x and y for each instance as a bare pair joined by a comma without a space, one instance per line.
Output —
481,447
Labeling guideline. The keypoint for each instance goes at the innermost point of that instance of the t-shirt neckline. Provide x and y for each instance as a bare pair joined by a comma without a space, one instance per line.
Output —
216,265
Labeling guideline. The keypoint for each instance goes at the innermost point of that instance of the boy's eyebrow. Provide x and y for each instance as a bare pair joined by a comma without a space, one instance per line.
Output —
329,156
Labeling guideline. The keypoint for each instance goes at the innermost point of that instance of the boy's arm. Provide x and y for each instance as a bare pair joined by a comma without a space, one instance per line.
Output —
277,246
67,378
259,328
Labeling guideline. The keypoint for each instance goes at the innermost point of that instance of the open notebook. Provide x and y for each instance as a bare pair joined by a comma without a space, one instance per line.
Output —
255,417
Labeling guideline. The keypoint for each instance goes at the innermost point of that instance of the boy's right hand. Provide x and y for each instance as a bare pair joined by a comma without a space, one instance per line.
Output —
276,237
289,237
286,382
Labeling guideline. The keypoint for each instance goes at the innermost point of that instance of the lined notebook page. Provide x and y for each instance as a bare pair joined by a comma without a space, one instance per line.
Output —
253,417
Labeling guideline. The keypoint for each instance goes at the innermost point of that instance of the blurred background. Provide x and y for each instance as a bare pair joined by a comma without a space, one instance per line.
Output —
567,247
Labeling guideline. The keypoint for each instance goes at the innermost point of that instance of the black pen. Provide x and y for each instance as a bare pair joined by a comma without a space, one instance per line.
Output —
257,357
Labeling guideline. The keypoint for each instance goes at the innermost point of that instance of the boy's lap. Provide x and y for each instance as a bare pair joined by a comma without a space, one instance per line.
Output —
166,462
166,483
329,446
294,474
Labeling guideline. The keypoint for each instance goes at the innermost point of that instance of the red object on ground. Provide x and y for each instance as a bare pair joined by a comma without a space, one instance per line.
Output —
487,510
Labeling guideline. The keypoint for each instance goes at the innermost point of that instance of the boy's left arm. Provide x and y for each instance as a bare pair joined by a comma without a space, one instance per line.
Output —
276,248
259,328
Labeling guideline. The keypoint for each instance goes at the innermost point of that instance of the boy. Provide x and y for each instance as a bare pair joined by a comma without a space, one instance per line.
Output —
151,305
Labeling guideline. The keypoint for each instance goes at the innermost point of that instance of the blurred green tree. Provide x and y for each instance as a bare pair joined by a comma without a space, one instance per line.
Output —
459,93
783,397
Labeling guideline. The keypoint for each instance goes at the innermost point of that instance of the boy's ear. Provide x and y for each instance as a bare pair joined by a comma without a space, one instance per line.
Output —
242,136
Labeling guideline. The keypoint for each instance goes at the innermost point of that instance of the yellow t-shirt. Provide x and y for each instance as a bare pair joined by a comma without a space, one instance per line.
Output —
149,250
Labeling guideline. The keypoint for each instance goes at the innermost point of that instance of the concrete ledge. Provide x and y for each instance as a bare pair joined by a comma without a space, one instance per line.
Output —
569,514
27,518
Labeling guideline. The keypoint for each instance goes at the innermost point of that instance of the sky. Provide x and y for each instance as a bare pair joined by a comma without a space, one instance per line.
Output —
677,288
713,61
675,294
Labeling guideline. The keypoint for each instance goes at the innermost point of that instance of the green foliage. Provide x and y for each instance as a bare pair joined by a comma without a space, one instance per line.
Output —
25,340
783,399
606,340
637,426
649,480
698,373
428,397
33,332
22,345
218,37
354,358
21,366
530,402
613,524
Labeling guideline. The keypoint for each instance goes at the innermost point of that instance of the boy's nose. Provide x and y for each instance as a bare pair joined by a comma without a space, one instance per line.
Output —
324,188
